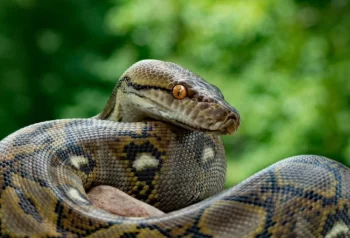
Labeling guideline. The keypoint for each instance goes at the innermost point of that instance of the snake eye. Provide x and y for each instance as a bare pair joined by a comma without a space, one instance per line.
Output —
179,92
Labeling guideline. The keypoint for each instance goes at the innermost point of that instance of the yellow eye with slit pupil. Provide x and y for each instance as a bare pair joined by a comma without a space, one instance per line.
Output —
179,92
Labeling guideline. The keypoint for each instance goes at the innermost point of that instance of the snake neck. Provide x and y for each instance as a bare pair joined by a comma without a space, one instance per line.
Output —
118,108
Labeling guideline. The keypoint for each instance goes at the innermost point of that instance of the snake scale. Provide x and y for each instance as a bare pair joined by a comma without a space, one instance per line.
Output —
157,139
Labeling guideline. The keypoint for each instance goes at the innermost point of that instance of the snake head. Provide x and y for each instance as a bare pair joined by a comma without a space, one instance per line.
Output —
168,92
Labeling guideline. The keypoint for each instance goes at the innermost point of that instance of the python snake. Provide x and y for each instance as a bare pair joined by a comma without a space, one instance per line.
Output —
157,139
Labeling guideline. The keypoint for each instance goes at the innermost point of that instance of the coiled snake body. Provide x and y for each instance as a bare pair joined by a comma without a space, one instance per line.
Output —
157,139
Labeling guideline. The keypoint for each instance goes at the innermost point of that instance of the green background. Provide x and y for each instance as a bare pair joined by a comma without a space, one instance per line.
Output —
285,65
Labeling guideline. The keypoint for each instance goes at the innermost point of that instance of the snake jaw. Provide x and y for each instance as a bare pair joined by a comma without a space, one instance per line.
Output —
213,120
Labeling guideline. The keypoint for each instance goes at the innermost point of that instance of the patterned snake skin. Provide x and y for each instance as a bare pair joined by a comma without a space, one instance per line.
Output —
158,140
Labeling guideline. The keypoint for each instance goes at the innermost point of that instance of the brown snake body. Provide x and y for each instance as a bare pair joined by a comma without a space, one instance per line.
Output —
157,139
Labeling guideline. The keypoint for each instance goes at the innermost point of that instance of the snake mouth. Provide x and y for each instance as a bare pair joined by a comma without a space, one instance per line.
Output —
227,126
216,118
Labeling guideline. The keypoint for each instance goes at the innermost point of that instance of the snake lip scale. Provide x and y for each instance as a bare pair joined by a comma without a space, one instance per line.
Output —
157,139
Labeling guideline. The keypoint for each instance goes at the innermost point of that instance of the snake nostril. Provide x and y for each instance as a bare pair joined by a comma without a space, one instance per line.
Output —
235,118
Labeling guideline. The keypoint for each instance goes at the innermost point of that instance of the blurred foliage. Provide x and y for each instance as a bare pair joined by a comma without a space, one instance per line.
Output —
284,65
